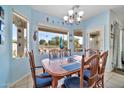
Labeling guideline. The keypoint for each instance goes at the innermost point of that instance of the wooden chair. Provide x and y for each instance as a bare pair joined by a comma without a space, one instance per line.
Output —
79,82
90,52
41,80
65,52
101,70
54,53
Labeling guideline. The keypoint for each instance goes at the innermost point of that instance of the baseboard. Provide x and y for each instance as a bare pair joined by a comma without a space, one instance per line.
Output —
11,85
119,71
3,85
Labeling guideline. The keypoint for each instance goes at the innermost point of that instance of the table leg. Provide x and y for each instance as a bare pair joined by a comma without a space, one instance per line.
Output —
55,81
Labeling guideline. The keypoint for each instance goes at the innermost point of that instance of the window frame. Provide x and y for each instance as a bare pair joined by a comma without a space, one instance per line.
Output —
52,29
27,35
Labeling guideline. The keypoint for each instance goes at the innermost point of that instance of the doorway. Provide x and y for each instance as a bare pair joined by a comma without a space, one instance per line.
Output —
118,47
94,42
122,52
96,39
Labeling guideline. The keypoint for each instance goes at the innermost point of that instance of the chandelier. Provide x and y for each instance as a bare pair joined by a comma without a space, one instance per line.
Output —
74,15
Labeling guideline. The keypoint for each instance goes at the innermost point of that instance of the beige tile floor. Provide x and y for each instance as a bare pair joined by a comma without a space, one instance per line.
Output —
112,80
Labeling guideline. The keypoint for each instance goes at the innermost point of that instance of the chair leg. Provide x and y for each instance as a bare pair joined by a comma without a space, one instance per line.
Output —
43,70
62,86
102,82
34,86
78,74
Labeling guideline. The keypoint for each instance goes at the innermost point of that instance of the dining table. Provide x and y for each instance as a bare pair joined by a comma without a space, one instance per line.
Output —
59,68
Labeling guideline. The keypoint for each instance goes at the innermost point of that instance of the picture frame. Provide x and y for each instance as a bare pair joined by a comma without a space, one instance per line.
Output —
1,25
1,12
2,39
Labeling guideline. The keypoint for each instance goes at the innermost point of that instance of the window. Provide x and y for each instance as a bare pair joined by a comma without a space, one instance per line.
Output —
19,36
78,41
51,40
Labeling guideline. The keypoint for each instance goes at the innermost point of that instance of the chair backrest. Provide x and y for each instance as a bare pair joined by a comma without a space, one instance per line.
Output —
92,62
82,72
90,52
102,62
32,66
54,53
65,52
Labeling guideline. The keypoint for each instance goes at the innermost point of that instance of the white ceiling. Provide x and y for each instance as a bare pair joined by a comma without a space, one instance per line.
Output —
120,13
61,10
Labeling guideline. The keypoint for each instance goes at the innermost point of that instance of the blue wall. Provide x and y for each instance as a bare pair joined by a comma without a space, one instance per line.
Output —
101,19
13,69
18,67
5,50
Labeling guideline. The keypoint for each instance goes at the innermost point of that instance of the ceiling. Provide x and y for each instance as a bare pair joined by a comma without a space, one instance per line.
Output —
61,10
120,13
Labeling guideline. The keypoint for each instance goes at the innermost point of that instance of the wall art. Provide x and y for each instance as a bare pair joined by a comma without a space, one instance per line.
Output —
1,12
2,39
1,25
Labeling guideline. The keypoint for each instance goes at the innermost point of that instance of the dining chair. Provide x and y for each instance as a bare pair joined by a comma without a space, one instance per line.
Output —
65,52
90,52
40,80
79,82
87,71
101,69
54,53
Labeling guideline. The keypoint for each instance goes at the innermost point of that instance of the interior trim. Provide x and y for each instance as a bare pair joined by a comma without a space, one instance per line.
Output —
48,28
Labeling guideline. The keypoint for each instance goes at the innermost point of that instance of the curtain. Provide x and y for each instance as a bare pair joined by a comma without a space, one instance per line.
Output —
116,47
123,46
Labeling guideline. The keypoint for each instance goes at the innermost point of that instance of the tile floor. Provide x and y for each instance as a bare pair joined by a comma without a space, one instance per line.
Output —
112,80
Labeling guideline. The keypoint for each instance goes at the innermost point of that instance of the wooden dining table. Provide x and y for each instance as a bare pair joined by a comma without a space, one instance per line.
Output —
55,67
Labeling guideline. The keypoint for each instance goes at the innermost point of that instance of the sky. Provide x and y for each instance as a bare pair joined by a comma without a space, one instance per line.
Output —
14,32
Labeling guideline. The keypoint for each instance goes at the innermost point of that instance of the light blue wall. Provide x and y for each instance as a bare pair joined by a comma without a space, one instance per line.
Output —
13,69
101,19
18,67
4,51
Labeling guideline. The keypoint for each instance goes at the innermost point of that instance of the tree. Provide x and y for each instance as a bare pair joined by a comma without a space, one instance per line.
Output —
65,43
76,42
42,41
51,42
56,40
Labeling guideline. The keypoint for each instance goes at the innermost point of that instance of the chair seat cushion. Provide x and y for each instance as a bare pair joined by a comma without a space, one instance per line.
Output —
43,82
87,74
74,82
44,74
